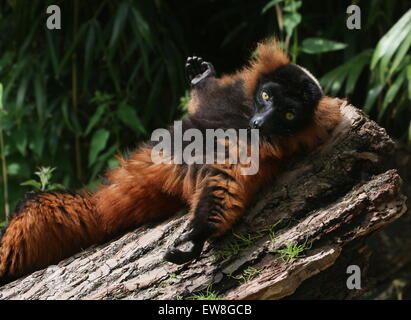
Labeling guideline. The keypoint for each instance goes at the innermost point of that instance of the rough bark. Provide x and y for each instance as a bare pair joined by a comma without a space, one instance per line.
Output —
327,203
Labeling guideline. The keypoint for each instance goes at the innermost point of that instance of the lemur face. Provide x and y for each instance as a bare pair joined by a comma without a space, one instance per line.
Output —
284,101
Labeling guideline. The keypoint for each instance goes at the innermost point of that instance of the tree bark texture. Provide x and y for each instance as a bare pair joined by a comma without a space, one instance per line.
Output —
295,241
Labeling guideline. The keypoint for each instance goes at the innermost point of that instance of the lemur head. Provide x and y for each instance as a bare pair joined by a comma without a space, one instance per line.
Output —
284,101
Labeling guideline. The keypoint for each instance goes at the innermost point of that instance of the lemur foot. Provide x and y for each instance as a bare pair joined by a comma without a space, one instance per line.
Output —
193,248
198,70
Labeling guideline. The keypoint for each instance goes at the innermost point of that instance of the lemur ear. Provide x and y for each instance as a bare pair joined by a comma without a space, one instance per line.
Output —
310,91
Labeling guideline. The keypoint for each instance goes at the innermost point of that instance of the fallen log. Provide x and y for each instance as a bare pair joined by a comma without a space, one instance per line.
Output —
314,219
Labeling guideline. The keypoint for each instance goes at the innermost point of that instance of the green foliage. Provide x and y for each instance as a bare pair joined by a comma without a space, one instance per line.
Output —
241,242
292,251
45,174
207,294
319,45
388,93
247,275
347,73
73,98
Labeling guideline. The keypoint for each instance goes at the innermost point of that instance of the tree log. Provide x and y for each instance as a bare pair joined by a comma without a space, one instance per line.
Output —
301,233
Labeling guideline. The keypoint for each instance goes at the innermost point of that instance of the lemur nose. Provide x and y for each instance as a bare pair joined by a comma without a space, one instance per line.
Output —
255,123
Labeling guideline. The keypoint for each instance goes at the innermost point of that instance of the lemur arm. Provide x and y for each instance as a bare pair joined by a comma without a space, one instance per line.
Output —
219,200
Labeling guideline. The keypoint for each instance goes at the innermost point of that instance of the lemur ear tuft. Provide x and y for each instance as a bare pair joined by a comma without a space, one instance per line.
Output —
310,91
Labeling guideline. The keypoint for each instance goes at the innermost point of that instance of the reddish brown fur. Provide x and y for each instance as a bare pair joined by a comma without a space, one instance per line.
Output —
51,226
268,58
54,226
138,191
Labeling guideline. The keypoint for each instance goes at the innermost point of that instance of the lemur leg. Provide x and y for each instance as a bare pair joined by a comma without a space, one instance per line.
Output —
219,201
198,70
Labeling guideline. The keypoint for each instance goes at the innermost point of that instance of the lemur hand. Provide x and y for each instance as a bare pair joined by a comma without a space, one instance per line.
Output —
198,70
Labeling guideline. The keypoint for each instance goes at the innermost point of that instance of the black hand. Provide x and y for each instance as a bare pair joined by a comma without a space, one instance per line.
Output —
195,246
198,70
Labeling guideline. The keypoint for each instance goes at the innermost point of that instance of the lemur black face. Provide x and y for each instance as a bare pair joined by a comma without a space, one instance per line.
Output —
284,101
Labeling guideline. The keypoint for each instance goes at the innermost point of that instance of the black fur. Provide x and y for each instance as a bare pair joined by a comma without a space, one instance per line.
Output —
290,90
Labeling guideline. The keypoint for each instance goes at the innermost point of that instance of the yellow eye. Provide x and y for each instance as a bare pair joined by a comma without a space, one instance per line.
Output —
289,116
265,95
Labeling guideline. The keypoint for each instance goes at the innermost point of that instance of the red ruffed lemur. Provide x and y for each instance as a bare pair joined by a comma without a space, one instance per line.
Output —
282,100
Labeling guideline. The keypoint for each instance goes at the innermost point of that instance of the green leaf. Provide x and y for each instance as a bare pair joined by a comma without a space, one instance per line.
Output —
68,53
391,40
270,4
66,116
129,117
142,27
320,45
98,143
409,80
391,93
56,186
102,161
21,93
292,6
119,23
291,21
338,81
95,118
13,169
32,183
372,97
356,66
19,167
113,162
37,141
40,94
52,49
402,51
409,133
1,97
333,80
20,140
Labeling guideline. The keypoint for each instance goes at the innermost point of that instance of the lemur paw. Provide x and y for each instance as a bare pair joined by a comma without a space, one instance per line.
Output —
198,70
192,249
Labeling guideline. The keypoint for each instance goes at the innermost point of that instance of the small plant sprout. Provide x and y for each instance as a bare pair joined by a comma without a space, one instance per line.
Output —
45,174
238,244
243,241
207,294
292,251
247,274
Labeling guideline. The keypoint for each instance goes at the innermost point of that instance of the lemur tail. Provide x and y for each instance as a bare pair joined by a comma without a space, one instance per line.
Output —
46,228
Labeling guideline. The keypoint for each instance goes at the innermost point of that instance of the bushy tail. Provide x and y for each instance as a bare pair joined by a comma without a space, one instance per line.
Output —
46,228
50,226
